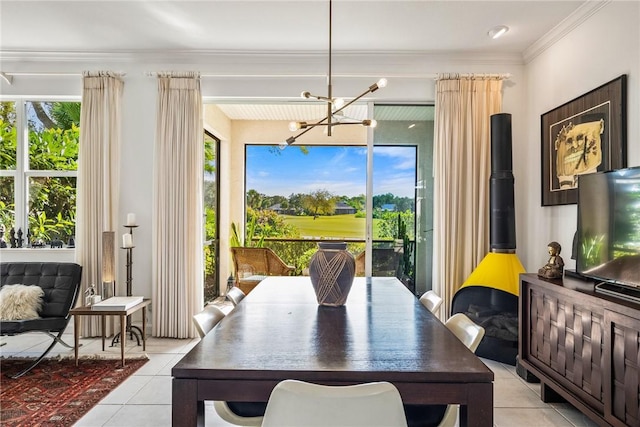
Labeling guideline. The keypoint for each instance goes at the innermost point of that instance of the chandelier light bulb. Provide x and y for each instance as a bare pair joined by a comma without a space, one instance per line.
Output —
373,123
294,126
382,82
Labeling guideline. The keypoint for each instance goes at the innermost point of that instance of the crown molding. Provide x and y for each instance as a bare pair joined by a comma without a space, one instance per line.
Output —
579,16
255,57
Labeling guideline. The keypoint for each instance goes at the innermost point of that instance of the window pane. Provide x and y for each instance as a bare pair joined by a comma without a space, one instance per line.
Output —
8,138
54,134
52,208
211,248
316,192
7,206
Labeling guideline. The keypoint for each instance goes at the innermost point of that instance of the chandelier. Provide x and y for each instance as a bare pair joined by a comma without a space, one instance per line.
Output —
335,106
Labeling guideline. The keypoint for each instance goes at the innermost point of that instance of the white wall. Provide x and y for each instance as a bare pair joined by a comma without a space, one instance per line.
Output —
599,50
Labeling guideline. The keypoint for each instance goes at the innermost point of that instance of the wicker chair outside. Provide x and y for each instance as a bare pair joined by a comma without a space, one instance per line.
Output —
251,265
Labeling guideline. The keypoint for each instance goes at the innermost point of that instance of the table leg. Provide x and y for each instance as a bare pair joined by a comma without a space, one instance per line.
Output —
103,324
479,408
185,407
76,335
123,336
144,328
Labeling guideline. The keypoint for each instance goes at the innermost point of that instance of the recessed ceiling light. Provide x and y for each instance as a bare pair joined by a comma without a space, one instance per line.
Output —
498,31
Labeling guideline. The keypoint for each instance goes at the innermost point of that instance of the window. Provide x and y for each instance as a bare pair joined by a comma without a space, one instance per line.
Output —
38,168
210,203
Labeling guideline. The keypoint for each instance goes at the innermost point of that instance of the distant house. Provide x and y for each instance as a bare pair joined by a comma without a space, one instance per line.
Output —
342,208
277,208
389,207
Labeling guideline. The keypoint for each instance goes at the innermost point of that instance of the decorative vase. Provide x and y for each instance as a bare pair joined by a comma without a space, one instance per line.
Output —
332,269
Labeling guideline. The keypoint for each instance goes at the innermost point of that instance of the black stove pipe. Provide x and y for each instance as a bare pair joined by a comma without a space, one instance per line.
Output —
501,187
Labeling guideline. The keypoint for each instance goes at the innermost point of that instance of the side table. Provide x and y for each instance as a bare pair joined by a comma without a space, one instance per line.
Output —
123,314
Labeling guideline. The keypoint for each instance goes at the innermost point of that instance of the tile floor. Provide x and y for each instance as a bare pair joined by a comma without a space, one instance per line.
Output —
144,399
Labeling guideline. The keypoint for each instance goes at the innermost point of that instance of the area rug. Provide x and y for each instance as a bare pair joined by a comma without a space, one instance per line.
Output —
57,392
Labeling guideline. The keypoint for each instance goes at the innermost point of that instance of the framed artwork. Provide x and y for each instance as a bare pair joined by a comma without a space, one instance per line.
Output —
585,135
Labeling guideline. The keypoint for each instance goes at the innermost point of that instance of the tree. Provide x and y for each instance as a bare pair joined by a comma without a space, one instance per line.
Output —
295,202
356,202
320,202
254,199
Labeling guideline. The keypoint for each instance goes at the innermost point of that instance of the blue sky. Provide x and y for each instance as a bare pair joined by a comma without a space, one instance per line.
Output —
339,170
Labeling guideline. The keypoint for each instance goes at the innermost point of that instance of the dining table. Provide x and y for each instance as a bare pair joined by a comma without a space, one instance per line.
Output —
382,333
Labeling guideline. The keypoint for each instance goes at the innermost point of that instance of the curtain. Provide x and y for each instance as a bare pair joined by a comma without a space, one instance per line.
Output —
177,227
462,167
98,186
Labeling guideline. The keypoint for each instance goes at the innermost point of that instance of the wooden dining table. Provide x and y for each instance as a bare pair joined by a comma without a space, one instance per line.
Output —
382,333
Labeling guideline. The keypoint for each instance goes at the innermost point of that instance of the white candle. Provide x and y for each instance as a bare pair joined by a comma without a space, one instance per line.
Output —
131,219
127,240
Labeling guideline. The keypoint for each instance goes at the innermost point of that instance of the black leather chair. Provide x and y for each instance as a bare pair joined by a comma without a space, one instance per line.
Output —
60,283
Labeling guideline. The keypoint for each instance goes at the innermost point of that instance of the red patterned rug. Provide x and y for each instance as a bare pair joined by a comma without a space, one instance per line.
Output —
56,392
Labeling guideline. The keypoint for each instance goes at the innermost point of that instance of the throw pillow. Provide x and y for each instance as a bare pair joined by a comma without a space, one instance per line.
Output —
20,302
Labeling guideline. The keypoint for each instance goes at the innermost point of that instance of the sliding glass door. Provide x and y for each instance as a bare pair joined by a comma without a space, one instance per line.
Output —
403,188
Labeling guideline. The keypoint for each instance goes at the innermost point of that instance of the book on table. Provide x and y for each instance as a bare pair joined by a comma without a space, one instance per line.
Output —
117,303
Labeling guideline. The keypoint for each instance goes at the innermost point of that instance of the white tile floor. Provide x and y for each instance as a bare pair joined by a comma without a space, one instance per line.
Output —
144,399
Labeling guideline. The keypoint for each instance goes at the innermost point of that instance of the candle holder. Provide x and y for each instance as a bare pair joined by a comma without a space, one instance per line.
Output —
133,331
129,250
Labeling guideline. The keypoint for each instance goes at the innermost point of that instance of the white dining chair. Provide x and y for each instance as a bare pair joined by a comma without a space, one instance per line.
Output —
466,330
235,295
431,301
470,334
417,415
205,321
299,403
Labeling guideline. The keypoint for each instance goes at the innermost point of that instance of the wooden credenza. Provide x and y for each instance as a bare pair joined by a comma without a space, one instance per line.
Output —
583,346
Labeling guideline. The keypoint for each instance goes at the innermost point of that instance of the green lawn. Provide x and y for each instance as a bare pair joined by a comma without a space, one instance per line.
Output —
338,226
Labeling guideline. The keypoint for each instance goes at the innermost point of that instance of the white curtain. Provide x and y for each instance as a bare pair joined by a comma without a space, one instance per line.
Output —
98,186
177,226
462,167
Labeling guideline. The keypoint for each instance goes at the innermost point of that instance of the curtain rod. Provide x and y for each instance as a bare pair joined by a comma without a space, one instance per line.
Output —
430,76
445,76
8,76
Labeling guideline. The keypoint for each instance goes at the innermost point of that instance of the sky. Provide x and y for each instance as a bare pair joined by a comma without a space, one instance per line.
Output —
337,169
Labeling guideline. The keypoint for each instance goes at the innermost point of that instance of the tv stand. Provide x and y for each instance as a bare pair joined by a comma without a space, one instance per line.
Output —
579,343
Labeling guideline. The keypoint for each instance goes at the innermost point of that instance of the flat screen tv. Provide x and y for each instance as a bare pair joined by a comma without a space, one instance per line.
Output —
609,226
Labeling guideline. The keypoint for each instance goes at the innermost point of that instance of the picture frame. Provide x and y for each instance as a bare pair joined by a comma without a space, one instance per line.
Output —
585,135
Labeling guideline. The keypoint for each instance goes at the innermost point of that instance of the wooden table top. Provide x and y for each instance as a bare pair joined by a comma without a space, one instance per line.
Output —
382,333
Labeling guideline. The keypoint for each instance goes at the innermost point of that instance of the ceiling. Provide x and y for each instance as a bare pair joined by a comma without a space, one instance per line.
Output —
237,26
302,25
